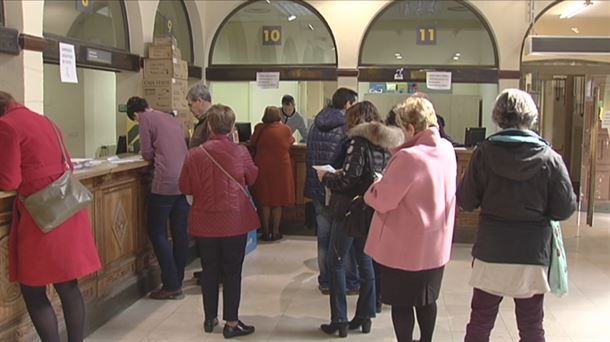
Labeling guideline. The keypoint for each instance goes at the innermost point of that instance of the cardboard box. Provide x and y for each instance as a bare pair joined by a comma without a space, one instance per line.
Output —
165,68
166,94
165,41
163,52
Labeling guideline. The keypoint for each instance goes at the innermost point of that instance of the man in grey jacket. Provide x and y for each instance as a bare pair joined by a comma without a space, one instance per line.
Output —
292,118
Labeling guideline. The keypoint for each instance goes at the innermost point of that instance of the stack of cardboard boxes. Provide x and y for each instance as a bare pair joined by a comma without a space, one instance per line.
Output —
165,80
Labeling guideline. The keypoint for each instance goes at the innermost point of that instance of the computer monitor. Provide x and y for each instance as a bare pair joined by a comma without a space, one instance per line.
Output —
244,130
474,135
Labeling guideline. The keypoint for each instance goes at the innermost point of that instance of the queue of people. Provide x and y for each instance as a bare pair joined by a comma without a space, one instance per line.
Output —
399,177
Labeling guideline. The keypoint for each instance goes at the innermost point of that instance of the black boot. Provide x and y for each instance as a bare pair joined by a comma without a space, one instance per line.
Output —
365,323
239,330
334,327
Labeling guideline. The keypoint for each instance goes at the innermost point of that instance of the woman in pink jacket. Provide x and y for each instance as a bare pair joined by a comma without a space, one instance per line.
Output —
216,175
411,231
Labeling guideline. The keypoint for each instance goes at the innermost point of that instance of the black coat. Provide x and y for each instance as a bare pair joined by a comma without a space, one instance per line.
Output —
520,187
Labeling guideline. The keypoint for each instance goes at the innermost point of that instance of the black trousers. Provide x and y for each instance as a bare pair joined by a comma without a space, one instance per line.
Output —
221,257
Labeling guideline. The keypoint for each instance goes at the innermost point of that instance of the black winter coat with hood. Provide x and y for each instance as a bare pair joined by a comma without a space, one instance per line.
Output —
520,187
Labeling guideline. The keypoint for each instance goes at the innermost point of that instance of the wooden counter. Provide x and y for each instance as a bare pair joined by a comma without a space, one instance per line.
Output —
465,225
129,267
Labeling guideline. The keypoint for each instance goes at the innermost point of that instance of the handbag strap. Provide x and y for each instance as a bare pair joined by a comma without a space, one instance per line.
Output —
64,154
224,171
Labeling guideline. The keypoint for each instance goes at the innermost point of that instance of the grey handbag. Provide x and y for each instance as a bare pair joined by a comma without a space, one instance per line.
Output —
60,200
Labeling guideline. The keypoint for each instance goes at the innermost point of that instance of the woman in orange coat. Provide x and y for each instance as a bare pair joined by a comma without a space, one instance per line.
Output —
274,187
32,159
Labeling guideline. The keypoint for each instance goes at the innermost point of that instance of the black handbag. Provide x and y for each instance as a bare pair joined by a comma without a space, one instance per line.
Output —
359,215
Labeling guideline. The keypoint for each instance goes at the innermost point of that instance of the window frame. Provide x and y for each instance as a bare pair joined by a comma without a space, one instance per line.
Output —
191,59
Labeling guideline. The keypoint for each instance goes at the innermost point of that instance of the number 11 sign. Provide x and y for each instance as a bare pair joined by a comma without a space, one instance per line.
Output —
426,35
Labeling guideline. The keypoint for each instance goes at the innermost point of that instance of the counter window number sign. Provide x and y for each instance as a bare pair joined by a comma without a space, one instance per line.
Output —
272,35
426,35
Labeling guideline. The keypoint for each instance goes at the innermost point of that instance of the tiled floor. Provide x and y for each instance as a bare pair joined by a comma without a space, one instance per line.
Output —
281,299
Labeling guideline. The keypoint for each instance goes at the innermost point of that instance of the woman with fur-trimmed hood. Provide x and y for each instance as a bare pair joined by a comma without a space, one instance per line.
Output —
369,139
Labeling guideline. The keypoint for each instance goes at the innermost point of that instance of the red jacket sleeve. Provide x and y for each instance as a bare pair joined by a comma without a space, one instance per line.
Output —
10,167
250,169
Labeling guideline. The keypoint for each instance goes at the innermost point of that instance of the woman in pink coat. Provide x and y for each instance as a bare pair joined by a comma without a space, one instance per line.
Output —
32,159
411,231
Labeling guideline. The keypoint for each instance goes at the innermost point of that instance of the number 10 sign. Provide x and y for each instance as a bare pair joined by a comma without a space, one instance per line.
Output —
272,35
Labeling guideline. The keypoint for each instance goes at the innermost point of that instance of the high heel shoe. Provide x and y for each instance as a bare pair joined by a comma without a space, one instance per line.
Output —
334,327
365,323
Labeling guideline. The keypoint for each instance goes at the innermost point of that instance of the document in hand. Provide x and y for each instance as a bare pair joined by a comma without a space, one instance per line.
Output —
326,168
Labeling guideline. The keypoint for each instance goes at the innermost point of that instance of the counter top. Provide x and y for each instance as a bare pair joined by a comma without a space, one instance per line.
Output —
100,170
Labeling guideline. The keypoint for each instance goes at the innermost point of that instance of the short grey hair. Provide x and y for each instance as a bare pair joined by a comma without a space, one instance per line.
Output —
514,108
199,91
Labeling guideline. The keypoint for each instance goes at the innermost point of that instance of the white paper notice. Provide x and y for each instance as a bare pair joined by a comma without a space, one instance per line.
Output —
440,80
67,63
268,80
606,120
327,168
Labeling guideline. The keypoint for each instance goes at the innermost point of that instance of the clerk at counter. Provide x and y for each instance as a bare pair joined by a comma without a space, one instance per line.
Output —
292,118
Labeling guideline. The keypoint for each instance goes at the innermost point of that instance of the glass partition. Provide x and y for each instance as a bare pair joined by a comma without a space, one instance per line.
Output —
414,32
100,22
273,32
172,20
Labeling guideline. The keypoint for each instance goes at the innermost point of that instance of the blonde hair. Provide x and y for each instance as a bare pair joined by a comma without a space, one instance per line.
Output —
221,119
416,111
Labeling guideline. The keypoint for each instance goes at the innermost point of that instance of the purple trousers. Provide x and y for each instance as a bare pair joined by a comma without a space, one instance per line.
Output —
484,306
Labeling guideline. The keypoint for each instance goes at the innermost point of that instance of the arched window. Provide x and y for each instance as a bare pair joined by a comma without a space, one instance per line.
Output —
99,22
429,33
274,33
172,20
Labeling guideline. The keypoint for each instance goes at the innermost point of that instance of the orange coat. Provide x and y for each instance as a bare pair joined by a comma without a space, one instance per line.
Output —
275,183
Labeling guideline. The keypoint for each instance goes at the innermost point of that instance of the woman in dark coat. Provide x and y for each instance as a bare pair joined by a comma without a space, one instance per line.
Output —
520,184
31,160
274,188
368,138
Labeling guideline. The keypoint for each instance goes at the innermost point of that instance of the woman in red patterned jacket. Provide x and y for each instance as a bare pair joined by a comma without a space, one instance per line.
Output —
216,175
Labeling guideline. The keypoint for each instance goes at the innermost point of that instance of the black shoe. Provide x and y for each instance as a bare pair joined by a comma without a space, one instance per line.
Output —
353,292
208,325
379,307
334,327
266,237
239,330
324,290
365,323
276,237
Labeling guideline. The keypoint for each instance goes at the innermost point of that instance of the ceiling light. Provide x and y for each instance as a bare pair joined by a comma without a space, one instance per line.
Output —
397,54
575,9
455,58
575,29
458,54
398,57
292,17
310,26
268,1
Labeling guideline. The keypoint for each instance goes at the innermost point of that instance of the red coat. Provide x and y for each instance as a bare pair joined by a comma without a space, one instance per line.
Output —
275,184
31,160
220,208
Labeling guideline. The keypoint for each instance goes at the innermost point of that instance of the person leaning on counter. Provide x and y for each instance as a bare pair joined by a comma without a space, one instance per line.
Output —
162,141
32,159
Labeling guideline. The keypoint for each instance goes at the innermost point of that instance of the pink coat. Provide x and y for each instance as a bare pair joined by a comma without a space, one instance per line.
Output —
414,205
220,207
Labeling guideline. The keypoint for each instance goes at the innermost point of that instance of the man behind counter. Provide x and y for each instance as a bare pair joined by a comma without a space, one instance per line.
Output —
292,118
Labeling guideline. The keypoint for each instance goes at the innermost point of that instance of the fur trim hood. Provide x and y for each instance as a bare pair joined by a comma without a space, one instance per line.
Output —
379,134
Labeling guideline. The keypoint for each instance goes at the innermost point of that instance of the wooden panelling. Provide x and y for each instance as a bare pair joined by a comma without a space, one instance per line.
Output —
466,222
117,216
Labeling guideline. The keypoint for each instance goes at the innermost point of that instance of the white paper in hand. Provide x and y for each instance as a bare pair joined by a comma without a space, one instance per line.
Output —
326,168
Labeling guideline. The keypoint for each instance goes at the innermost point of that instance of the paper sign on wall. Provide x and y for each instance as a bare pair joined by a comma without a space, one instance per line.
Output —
268,80
67,63
440,80
606,120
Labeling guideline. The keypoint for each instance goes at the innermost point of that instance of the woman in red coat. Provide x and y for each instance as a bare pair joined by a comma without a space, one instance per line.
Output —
216,175
31,160
274,187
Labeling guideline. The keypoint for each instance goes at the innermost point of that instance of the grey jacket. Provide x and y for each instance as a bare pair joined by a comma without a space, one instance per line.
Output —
295,122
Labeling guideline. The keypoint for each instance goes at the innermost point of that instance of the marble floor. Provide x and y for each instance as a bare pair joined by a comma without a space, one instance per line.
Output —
281,299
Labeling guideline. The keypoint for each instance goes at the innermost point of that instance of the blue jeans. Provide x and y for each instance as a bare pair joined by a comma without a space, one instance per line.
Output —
324,220
172,259
340,244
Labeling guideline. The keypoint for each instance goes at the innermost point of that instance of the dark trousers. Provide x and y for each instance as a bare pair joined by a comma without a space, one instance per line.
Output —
172,259
221,257
529,312
340,246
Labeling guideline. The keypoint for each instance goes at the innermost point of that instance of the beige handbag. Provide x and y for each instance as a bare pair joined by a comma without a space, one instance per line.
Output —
60,200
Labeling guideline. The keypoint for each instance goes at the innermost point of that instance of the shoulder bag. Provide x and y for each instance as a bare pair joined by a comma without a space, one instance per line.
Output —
60,200
359,215
243,189
558,269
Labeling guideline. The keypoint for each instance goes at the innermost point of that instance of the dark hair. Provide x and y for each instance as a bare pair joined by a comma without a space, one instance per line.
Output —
5,100
136,104
272,114
361,112
342,96
390,120
287,99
